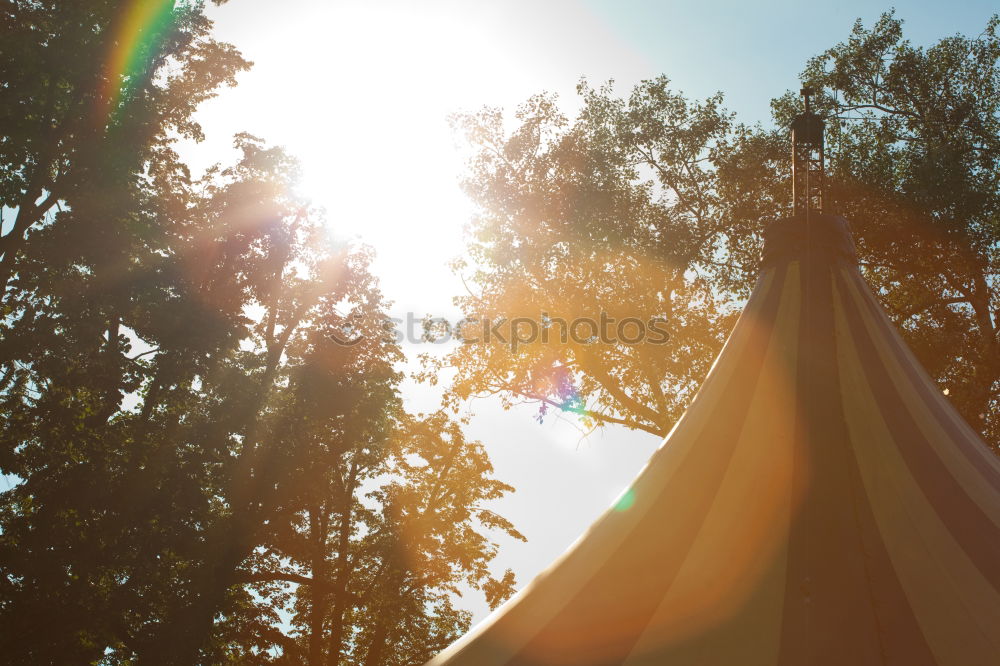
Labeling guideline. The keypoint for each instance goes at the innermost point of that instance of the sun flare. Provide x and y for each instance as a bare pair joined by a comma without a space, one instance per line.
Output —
369,124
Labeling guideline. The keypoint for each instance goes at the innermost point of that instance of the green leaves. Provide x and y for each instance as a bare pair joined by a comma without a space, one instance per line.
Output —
186,434
614,213
654,204
915,167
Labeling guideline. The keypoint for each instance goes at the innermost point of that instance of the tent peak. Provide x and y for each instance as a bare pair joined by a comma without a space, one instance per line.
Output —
822,237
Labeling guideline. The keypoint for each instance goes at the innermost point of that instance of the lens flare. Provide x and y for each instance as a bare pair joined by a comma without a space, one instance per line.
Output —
137,33
556,384
625,501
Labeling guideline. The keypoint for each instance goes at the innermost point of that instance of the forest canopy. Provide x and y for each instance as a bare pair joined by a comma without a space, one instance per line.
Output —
199,471
655,204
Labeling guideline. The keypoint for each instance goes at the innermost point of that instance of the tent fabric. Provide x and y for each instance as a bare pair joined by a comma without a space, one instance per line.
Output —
819,503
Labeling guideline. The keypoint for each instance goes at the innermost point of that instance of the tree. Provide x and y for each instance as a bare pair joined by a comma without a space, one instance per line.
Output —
917,167
613,220
91,94
654,206
186,365
379,552
82,267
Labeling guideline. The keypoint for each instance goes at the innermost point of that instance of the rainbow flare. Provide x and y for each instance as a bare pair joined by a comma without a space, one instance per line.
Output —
556,383
137,33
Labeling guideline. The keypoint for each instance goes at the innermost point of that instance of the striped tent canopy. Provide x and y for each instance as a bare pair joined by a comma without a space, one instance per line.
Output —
819,503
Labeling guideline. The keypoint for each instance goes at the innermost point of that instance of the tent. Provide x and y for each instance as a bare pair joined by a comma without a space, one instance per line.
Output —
819,503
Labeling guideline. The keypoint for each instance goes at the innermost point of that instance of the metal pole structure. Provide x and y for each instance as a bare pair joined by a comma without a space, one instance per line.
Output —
807,160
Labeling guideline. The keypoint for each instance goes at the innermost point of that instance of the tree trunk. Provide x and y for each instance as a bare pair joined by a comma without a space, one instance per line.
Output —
340,600
317,613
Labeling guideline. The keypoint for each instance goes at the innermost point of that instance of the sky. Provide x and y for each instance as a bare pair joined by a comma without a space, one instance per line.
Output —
360,92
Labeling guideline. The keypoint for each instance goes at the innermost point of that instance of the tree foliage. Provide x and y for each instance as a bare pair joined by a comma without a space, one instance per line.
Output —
202,428
614,213
653,205
920,174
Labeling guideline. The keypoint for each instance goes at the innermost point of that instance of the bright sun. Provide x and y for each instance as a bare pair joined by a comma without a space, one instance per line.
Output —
360,92
363,102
